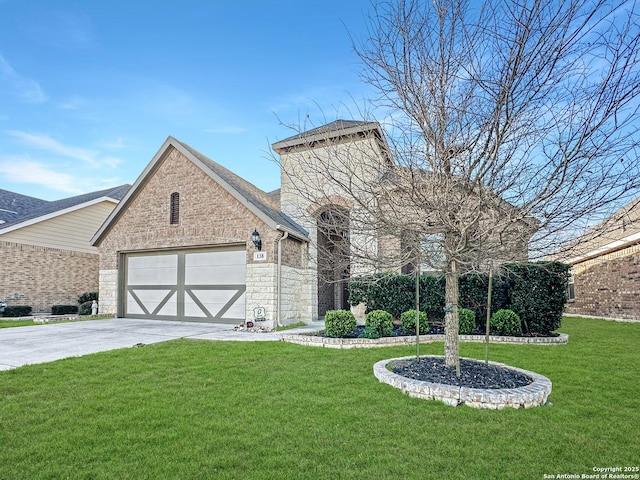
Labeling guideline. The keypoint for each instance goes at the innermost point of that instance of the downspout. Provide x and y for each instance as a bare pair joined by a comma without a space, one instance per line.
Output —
279,275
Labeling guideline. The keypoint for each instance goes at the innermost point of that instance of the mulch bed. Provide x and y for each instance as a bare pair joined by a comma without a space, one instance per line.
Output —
473,374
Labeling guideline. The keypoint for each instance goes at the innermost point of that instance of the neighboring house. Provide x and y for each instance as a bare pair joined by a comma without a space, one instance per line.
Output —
605,279
180,245
47,257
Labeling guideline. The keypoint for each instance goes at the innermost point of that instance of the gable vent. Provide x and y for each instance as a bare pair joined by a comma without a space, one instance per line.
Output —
174,217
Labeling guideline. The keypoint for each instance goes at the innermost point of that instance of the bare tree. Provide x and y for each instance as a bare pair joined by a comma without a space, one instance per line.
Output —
503,119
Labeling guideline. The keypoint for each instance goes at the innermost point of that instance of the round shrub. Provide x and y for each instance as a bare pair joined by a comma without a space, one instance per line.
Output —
369,332
466,321
408,320
381,321
339,323
505,322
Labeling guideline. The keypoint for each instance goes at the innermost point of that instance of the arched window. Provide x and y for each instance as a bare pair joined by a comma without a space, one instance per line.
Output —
174,216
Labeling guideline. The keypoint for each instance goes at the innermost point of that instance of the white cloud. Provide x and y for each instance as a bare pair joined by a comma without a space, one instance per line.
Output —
20,169
26,89
112,162
51,145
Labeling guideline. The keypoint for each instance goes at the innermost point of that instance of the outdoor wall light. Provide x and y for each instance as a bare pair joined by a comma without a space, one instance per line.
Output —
255,236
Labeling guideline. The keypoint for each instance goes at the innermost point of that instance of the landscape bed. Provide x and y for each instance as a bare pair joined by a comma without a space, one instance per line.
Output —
317,340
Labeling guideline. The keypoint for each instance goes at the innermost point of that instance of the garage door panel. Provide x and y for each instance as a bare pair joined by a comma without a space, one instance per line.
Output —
218,304
153,270
152,302
204,285
225,267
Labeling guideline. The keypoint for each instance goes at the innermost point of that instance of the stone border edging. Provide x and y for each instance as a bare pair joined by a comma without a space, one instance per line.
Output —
327,342
532,395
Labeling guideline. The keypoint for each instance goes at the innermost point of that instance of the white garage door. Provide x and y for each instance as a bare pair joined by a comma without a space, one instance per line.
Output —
199,285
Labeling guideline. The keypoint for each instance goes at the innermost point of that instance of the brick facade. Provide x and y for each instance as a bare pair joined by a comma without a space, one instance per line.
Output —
46,276
209,216
608,286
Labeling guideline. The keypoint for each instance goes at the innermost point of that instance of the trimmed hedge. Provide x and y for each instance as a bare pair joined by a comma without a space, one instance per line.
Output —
466,321
64,309
534,291
397,293
339,323
408,320
17,311
380,320
538,293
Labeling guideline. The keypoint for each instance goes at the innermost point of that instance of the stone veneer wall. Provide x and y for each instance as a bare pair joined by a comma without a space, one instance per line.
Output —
608,286
45,276
108,292
295,297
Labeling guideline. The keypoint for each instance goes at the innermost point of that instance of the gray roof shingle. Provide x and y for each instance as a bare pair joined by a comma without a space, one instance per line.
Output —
16,208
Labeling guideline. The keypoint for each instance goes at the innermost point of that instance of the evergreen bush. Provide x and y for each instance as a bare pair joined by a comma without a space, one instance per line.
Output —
64,309
408,320
505,322
538,293
466,321
370,332
88,297
383,291
535,291
17,311
85,308
380,320
339,323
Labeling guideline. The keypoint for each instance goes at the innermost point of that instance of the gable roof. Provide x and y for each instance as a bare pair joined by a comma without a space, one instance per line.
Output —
620,230
260,203
17,211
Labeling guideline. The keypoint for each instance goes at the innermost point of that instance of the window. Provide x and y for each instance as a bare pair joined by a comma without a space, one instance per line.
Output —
174,216
571,293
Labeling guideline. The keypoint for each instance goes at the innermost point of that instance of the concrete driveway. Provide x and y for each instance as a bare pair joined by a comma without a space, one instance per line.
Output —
46,343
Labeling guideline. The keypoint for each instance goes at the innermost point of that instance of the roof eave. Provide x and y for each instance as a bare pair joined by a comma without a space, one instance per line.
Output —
303,139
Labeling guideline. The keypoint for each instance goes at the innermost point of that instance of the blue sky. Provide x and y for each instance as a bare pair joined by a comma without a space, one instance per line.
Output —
89,90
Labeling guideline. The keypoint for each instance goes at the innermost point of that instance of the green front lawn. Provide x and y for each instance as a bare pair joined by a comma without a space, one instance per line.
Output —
222,410
4,323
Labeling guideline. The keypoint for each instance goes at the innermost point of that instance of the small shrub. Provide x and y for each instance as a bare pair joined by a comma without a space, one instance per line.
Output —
381,321
85,308
466,321
408,320
339,323
88,297
369,332
64,309
505,322
17,311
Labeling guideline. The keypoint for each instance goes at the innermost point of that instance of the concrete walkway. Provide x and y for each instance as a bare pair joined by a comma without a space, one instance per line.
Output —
46,343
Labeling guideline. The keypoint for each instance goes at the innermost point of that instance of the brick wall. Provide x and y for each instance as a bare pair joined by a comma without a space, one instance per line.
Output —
46,276
209,216
609,286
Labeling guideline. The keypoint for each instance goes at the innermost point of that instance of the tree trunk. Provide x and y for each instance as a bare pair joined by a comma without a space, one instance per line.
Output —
451,339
